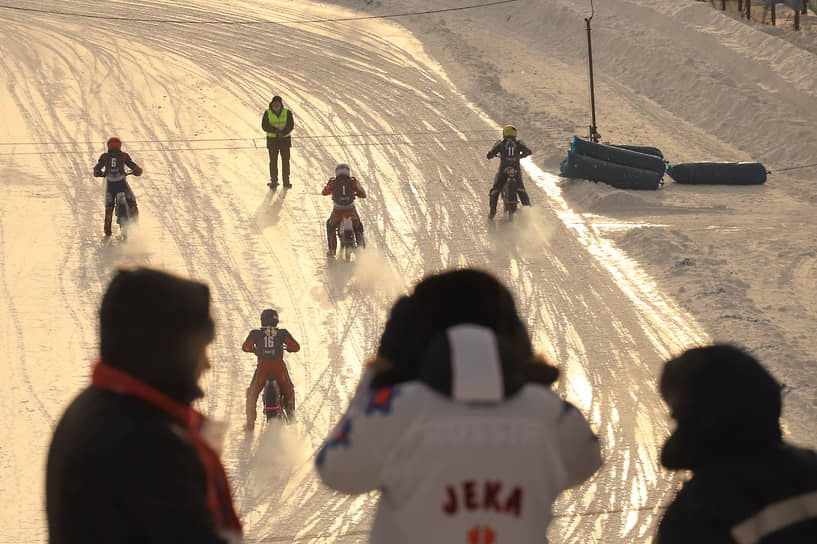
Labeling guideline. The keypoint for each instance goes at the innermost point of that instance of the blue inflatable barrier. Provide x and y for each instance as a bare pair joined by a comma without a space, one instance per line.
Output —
649,150
577,165
718,173
619,155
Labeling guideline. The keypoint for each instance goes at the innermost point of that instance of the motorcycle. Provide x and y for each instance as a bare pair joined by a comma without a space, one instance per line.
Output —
273,408
509,193
346,236
272,398
122,211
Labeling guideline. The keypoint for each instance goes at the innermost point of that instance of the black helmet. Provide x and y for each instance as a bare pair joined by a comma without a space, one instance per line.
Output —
269,318
343,170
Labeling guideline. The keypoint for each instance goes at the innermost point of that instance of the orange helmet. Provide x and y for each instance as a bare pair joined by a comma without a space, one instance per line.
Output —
114,143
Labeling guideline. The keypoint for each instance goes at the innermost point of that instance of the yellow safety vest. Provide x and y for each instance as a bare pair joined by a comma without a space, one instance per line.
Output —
278,121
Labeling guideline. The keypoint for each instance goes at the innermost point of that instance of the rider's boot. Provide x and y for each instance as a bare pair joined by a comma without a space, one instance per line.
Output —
361,241
493,198
133,212
108,220
523,197
251,414
288,403
332,240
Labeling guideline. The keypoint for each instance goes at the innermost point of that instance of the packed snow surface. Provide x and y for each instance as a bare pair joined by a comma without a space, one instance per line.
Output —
610,282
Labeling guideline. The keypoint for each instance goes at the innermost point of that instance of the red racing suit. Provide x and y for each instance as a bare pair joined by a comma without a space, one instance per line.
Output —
341,210
269,343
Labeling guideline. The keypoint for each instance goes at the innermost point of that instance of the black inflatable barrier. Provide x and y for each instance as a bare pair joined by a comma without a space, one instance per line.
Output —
577,165
619,155
718,173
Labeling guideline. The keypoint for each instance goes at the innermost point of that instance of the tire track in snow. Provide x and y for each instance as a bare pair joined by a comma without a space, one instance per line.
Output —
410,219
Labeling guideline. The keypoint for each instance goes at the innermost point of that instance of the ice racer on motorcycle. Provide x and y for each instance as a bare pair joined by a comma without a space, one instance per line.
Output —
344,189
269,343
510,151
111,166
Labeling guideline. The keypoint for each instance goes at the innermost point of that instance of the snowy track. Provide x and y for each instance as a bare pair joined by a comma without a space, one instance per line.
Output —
187,99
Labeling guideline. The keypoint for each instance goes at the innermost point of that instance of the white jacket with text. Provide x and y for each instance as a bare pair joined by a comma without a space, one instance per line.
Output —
451,471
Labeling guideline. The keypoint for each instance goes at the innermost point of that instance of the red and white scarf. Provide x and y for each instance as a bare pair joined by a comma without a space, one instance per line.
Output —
219,498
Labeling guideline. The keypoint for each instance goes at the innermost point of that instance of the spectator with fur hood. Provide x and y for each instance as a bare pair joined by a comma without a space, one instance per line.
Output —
456,424
748,486
130,459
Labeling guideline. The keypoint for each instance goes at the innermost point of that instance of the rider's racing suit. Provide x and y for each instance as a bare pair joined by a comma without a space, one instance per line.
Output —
510,151
269,343
111,166
339,210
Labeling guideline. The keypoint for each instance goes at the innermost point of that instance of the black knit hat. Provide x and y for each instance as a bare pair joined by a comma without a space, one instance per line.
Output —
155,326
276,98
724,401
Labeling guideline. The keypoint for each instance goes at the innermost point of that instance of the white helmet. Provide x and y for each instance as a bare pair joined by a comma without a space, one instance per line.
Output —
343,170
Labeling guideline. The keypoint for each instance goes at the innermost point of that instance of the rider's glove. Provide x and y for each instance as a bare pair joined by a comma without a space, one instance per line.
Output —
97,173
489,155
137,171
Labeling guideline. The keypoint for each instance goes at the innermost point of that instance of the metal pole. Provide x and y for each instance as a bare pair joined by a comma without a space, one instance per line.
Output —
594,135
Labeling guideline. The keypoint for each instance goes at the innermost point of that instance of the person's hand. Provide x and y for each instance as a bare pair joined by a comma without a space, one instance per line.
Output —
97,173
137,171
489,155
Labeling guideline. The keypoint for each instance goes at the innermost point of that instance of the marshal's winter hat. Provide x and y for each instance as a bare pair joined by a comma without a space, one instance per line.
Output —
724,401
276,99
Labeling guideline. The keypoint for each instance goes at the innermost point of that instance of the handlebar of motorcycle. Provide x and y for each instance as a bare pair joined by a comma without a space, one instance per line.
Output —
127,173
284,347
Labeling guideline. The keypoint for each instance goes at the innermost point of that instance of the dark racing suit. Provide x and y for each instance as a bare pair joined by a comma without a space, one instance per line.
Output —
510,151
111,165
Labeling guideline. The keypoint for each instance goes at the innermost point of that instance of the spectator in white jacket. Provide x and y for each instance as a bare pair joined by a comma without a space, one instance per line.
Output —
456,424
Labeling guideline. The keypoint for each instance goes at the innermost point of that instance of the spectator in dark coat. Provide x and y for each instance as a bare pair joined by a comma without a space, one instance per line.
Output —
129,461
748,486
